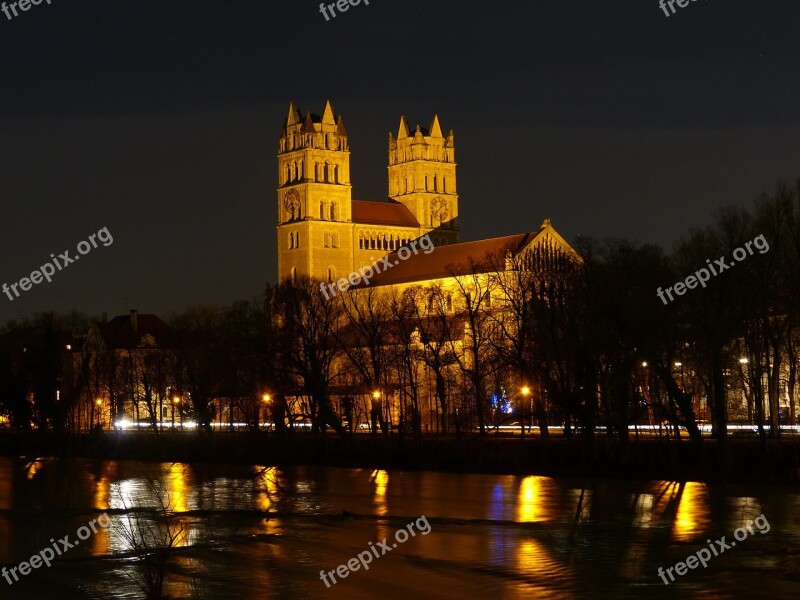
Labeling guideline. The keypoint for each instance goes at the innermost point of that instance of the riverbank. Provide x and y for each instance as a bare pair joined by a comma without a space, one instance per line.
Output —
742,460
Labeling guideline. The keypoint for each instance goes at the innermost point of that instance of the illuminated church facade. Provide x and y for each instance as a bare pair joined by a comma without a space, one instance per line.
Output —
326,235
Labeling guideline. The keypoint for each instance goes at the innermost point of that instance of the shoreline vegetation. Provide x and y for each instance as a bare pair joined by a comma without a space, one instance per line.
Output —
737,461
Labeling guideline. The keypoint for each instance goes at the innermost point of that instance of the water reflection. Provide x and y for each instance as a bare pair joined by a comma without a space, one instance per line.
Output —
532,499
692,517
381,481
492,535
176,488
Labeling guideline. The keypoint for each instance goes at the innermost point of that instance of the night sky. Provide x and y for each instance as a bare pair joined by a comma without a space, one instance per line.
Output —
160,120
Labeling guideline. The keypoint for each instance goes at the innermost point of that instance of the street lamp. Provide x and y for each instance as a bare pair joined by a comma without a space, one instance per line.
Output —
526,391
266,399
99,404
175,406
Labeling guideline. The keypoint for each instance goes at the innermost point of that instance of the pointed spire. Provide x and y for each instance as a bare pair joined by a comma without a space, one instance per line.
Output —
403,131
327,115
294,116
436,130
340,126
308,125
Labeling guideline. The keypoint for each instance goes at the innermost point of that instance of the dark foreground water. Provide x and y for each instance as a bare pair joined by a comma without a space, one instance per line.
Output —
488,536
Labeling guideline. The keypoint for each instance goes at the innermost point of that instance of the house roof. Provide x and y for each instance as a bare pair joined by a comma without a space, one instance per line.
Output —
383,213
119,332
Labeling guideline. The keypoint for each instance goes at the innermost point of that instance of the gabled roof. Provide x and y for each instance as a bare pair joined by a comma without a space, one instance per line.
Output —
480,256
383,213
119,332
443,260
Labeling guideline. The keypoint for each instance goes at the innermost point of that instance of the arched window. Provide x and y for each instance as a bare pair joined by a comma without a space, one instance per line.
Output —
360,241
335,239
331,274
334,207
291,240
336,174
294,274
321,209
288,175
326,239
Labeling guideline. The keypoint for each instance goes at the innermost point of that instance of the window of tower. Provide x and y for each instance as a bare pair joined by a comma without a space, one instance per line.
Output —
294,274
334,207
331,274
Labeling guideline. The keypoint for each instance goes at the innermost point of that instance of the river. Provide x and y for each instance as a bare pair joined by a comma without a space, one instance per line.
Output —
267,532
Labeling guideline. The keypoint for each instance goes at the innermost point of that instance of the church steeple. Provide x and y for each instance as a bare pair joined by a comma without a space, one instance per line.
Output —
313,186
422,175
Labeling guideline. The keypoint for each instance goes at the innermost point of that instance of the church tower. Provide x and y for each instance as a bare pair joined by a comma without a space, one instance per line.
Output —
422,176
314,196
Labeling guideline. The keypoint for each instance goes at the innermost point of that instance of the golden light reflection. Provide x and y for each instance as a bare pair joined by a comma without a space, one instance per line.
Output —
101,541
102,493
531,505
175,483
692,517
268,482
381,480
380,500
35,466
534,561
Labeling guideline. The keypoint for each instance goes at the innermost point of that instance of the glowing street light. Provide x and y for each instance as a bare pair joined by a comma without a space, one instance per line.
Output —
744,361
266,398
175,401
376,394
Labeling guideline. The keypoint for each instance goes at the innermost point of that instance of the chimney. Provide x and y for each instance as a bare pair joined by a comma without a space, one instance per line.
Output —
135,320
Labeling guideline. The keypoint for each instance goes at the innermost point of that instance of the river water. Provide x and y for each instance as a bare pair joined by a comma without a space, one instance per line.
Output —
266,532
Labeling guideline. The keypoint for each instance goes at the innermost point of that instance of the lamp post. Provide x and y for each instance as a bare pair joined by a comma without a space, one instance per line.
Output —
99,404
176,401
266,398
376,396
525,391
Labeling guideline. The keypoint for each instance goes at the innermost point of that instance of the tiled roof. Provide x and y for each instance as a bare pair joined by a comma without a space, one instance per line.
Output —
444,260
383,213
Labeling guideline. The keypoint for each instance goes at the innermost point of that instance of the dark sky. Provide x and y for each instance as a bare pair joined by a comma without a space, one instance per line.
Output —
159,120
